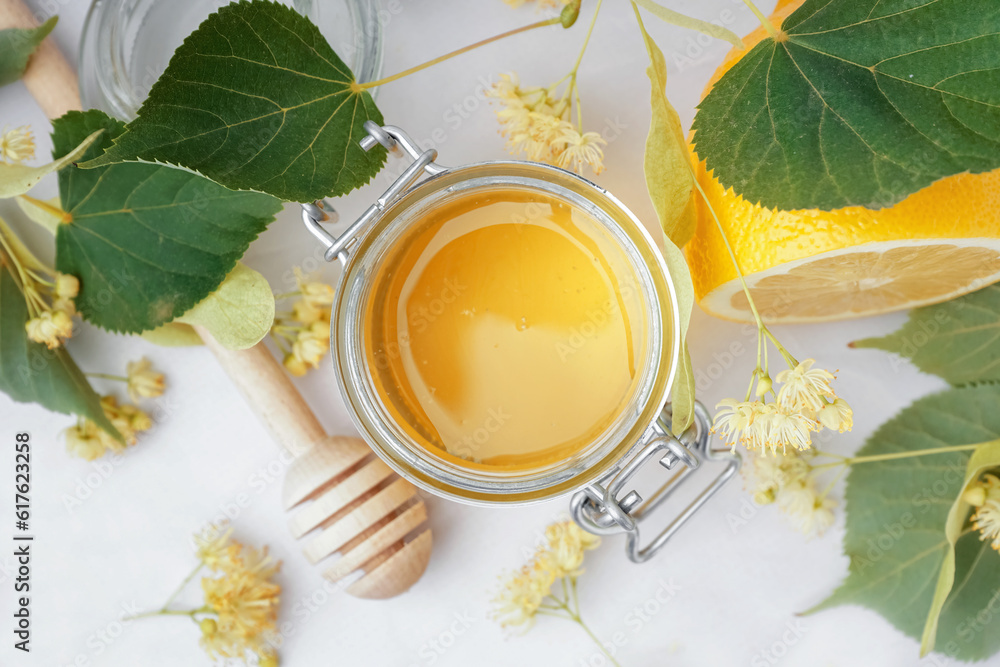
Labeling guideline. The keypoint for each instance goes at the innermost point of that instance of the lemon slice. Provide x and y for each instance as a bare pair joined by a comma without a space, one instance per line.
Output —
862,280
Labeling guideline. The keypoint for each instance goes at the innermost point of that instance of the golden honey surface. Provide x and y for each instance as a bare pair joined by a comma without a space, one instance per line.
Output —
504,329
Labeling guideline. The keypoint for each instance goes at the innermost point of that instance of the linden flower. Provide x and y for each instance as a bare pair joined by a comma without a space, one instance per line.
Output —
50,328
82,440
836,416
535,124
811,512
771,474
17,145
788,481
523,591
567,544
66,287
805,403
804,387
316,294
581,149
143,381
985,496
244,598
789,428
89,442
213,549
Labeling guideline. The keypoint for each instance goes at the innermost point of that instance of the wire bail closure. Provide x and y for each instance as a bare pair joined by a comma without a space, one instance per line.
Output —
397,142
598,509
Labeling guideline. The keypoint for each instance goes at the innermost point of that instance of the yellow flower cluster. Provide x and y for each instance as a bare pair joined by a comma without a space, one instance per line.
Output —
17,145
537,124
88,441
242,599
51,323
805,403
984,495
524,591
303,334
789,481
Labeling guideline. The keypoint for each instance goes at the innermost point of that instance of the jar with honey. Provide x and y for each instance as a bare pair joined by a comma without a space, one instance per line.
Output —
506,332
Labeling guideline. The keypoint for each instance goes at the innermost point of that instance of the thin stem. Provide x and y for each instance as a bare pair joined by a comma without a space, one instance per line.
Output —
413,70
729,248
849,461
170,612
764,21
576,618
287,295
187,580
586,40
905,455
833,483
106,376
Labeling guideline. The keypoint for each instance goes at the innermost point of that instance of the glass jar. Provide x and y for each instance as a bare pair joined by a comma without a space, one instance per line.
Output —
598,468
127,44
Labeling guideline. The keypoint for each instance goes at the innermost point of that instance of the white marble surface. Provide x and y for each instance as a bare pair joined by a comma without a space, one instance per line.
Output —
116,536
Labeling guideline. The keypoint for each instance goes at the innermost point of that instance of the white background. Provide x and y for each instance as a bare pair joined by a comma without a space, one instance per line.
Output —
122,538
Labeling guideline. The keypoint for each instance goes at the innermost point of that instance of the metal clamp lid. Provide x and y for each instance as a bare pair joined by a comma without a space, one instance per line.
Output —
396,141
598,509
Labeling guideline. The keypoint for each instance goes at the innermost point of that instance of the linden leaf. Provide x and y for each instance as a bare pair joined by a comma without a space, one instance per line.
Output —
147,242
666,162
897,512
256,99
31,373
958,340
16,47
238,314
983,458
16,179
861,102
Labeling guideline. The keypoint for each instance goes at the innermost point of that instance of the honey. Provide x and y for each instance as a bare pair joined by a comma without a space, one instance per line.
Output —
505,330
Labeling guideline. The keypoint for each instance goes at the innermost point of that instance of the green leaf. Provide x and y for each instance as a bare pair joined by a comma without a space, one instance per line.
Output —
983,458
666,162
16,47
238,314
958,340
256,99
16,179
862,103
897,511
685,21
147,242
173,334
31,373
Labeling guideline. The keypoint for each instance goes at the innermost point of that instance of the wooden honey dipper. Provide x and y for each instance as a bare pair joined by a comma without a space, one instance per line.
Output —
342,498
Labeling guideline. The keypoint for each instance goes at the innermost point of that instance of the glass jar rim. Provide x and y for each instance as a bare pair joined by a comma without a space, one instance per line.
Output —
467,484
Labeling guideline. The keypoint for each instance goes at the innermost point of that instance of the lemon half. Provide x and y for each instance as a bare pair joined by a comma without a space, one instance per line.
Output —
815,266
